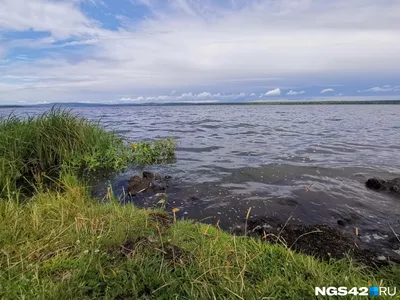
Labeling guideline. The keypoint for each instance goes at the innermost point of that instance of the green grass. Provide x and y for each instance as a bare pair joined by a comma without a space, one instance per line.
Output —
35,151
68,246
61,244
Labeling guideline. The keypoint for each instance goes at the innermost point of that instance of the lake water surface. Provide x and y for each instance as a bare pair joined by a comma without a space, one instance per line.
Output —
231,158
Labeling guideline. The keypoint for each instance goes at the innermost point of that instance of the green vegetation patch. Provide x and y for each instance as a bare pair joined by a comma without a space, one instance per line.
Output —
67,246
34,151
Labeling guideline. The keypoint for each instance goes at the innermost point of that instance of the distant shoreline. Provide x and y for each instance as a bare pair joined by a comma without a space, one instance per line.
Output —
78,104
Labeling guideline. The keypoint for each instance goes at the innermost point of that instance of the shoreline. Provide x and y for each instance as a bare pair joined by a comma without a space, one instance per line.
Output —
58,242
306,102
318,240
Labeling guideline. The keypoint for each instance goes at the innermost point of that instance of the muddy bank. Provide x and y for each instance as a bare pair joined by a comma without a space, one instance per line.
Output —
338,239
320,241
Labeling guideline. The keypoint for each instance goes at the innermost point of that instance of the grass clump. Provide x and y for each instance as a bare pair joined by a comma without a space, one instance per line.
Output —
67,246
36,150
155,152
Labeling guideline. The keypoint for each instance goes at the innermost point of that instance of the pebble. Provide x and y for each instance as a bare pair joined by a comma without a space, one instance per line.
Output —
341,223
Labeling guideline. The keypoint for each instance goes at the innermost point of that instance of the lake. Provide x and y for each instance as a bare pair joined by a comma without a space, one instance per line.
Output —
266,157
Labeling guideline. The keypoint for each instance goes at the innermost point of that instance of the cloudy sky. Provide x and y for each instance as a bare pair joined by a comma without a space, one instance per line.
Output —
198,50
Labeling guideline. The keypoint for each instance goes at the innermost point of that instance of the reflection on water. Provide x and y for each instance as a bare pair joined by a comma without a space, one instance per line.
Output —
235,157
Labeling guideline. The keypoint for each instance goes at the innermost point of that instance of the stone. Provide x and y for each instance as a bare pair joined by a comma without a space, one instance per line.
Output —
150,182
151,176
137,185
376,184
394,185
379,184
193,198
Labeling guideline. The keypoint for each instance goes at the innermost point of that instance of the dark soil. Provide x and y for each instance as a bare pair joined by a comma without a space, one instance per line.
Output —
163,219
131,245
319,240
175,254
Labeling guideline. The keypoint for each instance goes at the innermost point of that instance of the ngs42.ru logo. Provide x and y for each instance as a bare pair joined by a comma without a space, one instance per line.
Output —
356,291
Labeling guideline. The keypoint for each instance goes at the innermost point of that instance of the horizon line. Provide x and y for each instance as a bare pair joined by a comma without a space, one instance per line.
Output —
326,102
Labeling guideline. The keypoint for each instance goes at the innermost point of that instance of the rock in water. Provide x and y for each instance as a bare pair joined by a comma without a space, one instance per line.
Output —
376,184
137,185
148,183
383,185
151,176
394,185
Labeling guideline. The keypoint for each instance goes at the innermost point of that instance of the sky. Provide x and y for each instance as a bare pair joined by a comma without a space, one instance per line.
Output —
138,51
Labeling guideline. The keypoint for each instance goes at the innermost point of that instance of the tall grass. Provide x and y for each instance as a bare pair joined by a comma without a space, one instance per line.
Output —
34,151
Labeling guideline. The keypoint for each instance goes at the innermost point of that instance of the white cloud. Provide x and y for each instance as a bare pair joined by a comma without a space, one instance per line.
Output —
275,92
385,88
379,89
333,98
190,44
293,93
62,19
324,91
252,94
205,95
186,97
